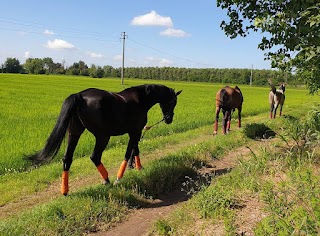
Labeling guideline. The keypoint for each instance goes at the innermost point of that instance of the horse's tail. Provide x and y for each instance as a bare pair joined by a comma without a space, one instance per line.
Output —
273,88
57,135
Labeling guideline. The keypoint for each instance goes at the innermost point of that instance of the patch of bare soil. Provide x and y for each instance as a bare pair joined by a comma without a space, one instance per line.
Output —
140,220
248,216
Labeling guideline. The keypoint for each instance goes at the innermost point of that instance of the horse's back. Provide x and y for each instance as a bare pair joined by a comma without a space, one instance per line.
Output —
101,111
229,98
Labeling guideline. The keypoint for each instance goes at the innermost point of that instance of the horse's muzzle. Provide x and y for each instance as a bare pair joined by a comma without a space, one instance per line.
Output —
168,119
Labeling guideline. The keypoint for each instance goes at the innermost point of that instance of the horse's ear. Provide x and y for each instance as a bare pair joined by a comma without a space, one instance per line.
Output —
177,93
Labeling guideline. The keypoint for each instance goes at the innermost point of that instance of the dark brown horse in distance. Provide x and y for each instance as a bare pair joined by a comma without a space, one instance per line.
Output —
228,99
276,99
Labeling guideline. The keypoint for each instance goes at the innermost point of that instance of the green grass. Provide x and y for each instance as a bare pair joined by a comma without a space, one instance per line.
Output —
291,202
30,105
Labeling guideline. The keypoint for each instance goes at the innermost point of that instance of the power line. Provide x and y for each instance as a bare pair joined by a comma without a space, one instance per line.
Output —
68,36
39,25
169,54
31,24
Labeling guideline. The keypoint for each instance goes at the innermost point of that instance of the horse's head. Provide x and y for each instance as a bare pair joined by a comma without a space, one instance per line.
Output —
168,105
282,87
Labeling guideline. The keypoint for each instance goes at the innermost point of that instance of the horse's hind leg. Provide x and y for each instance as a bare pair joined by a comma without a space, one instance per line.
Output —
101,143
75,130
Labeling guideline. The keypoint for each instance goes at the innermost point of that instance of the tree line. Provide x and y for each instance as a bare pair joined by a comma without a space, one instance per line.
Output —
235,76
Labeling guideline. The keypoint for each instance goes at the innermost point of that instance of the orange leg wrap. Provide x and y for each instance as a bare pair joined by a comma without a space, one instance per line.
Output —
103,171
239,123
122,169
65,183
138,163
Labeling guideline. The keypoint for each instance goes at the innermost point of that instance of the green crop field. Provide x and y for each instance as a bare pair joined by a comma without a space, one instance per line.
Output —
30,105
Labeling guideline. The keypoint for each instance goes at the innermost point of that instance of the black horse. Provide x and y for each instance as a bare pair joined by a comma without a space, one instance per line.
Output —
228,99
106,114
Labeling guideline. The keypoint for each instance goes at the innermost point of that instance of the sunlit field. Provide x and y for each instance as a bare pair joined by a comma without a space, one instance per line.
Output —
30,105
29,108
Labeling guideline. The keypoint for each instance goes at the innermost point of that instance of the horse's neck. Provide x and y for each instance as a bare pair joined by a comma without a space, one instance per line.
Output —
155,94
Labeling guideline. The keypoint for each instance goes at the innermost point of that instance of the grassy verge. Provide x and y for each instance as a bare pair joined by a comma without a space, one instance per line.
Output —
284,176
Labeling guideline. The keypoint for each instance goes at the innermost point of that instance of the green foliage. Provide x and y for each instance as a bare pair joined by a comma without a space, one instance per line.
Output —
293,206
291,27
12,65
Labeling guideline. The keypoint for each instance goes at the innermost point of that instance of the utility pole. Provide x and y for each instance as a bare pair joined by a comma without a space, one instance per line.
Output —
251,76
123,37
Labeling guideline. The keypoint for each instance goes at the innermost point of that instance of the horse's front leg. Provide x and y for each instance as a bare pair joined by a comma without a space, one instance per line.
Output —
132,150
101,143
228,122
271,110
239,117
275,110
280,114
215,129
226,115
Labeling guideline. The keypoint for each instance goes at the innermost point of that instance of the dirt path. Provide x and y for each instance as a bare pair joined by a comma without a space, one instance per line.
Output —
140,221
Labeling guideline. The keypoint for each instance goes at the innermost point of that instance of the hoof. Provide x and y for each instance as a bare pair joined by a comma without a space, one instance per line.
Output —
116,182
65,194
141,168
215,133
106,182
130,167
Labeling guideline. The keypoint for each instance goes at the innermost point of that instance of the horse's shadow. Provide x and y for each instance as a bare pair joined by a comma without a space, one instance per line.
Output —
191,186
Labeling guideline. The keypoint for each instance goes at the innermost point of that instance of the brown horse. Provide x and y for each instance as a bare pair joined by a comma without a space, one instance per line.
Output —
228,99
276,99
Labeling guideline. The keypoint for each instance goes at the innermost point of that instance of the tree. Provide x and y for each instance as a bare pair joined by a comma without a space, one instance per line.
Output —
290,27
35,66
12,65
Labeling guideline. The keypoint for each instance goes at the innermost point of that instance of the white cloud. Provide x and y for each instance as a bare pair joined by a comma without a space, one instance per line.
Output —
95,55
48,32
59,44
117,57
27,54
174,33
165,62
151,61
152,19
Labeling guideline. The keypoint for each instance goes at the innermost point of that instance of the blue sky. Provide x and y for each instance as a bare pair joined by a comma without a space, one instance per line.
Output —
179,33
